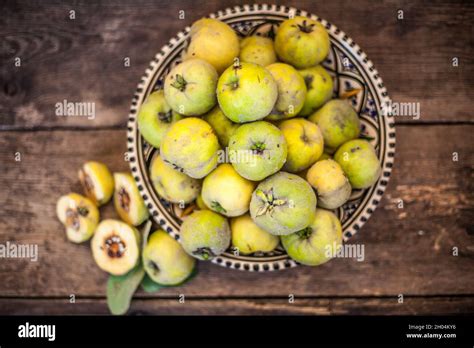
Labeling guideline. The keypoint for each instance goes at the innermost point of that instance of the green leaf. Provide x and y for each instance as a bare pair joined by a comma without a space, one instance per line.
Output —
120,290
149,285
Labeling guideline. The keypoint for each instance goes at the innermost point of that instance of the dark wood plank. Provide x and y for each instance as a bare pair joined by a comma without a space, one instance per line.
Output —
323,306
407,251
81,60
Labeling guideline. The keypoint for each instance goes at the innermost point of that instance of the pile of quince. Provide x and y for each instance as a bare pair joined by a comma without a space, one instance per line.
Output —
249,135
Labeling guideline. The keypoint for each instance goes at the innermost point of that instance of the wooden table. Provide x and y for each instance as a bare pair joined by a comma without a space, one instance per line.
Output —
408,251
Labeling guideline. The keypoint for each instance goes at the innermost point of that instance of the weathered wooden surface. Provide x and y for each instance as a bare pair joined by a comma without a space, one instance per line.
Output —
83,59
256,306
408,251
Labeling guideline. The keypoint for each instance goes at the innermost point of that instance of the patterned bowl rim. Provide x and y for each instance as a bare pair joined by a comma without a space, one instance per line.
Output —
261,11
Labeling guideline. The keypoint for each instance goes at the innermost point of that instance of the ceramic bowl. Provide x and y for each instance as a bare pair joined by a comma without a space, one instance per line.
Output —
351,69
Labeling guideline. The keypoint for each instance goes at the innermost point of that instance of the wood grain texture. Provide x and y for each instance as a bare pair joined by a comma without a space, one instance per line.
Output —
193,306
408,251
82,59
399,259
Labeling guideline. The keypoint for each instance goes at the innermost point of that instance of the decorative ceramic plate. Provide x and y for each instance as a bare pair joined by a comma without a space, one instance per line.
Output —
350,68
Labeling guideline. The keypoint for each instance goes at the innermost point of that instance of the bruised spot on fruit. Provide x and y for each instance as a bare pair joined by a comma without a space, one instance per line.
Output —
304,137
208,134
115,246
175,167
354,149
308,81
205,253
153,266
159,183
124,199
340,121
333,225
184,184
72,219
